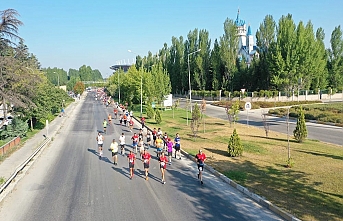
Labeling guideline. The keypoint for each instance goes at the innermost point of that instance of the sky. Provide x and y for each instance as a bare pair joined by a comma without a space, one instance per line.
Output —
71,33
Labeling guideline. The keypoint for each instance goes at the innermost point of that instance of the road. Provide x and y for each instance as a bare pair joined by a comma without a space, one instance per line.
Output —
69,182
321,132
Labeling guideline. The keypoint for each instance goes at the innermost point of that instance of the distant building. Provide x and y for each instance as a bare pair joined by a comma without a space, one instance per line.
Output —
124,67
246,48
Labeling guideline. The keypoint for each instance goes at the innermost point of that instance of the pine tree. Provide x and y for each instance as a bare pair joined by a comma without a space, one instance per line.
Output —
150,111
158,117
300,131
235,147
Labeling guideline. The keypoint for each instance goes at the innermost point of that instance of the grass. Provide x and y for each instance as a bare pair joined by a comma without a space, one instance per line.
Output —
312,189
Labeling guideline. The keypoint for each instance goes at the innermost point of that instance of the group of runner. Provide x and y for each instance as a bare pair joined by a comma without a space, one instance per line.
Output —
162,142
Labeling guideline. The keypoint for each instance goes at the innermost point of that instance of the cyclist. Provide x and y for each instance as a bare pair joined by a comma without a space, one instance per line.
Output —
104,124
122,143
114,148
100,141
146,162
163,165
200,159
131,158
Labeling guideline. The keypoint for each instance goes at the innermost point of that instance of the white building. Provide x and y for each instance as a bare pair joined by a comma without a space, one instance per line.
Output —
246,48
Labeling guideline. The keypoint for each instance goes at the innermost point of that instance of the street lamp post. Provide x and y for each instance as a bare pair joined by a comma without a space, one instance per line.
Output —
141,83
189,77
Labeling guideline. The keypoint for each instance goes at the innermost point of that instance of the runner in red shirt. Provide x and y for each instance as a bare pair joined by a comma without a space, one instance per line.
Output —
163,160
143,122
200,159
131,158
134,139
146,161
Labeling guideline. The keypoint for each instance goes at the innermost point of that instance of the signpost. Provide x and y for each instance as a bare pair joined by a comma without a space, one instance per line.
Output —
247,107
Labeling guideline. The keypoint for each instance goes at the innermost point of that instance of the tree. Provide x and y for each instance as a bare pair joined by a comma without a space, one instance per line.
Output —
150,111
235,147
158,117
335,63
9,27
196,116
232,112
79,87
300,131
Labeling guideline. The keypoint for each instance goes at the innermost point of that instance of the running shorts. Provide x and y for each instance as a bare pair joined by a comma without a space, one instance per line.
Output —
131,165
114,153
201,167
170,153
146,165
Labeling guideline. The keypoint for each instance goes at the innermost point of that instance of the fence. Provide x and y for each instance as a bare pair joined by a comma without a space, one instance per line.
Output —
9,145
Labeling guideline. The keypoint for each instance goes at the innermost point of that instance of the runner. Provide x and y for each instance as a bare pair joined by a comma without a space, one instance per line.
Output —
109,119
159,142
131,158
146,162
143,122
148,139
154,136
163,165
170,150
100,140
165,141
140,134
121,119
200,158
134,139
104,124
141,147
177,146
131,124
115,110
122,143
114,148
125,119
159,132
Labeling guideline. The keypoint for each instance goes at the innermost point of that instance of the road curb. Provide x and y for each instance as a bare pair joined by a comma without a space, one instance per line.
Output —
260,200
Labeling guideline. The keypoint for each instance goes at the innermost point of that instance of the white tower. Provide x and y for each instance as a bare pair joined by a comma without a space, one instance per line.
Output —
250,40
241,31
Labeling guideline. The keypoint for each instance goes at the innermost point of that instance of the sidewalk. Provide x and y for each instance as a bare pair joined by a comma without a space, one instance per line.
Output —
11,163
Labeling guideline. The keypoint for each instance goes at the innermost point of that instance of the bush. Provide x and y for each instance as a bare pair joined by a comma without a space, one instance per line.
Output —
158,117
235,147
150,112
300,131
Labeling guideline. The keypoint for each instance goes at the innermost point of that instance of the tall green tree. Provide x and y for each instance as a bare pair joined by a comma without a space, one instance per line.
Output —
335,63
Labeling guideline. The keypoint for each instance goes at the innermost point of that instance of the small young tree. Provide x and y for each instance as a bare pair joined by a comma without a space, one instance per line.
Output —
150,112
158,117
300,131
176,105
232,112
235,147
196,116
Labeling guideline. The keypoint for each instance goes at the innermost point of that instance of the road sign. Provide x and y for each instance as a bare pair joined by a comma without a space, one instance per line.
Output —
247,106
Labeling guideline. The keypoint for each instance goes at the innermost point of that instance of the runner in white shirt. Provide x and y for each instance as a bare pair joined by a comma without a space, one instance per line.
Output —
100,140
114,148
122,143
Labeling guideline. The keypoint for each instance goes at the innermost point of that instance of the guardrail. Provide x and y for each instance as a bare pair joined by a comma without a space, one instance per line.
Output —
23,165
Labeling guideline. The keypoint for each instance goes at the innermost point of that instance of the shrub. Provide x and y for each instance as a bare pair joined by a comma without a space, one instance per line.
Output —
235,147
300,131
158,117
150,112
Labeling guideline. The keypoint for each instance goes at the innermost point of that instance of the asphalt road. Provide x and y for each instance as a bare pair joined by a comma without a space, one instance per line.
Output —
321,132
69,182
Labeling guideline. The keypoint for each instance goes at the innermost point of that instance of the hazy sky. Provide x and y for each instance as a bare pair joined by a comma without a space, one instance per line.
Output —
70,33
